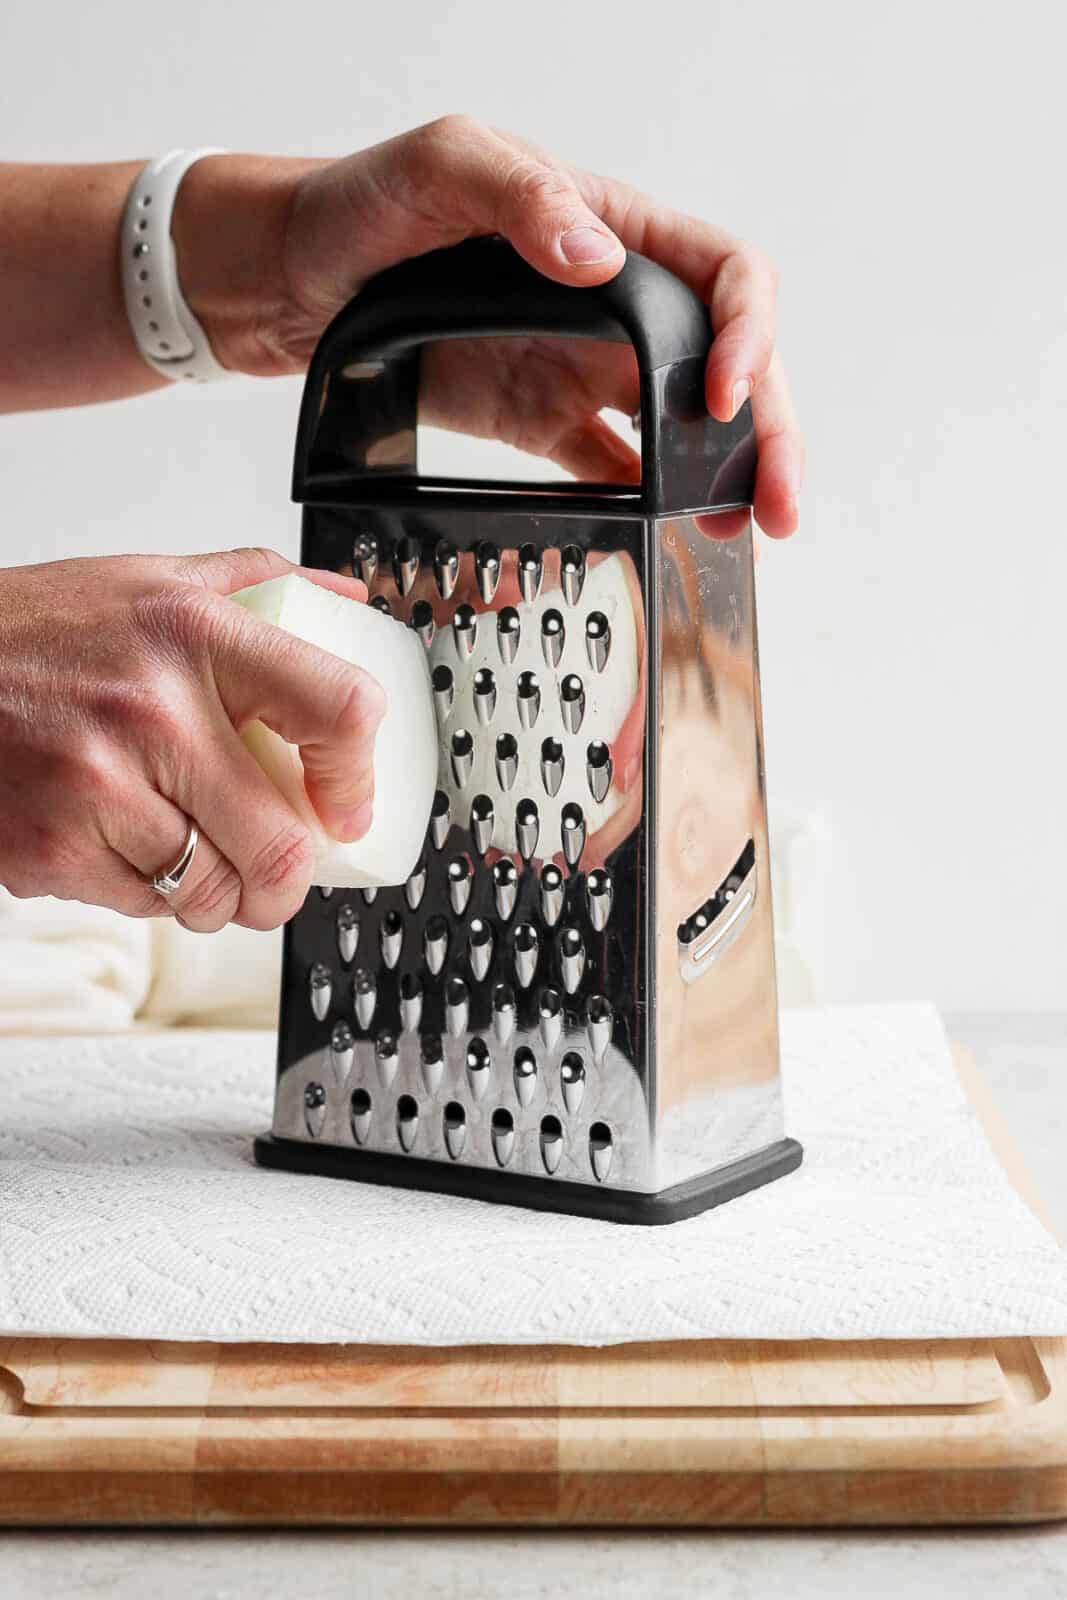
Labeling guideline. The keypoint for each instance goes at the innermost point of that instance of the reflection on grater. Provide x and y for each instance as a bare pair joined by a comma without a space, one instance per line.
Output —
571,1003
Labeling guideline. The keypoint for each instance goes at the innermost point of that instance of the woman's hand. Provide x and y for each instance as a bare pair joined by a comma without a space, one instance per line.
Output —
125,681
270,249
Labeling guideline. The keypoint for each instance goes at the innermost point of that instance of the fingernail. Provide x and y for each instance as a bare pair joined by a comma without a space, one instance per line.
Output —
739,394
584,247
355,823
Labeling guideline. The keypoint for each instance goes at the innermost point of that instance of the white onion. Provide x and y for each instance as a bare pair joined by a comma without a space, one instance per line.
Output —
405,751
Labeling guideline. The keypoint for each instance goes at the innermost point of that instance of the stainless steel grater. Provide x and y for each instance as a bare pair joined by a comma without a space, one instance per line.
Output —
571,1002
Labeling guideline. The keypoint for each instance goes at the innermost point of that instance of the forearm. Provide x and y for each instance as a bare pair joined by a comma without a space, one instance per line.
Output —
64,335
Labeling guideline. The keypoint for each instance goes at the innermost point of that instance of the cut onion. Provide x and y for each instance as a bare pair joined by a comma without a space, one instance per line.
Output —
405,750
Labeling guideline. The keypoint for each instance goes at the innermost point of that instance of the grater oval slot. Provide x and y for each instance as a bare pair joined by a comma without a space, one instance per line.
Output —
487,570
531,572
528,699
314,1109
365,558
359,1115
465,630
432,1061
551,1141
406,564
440,818
553,637
601,1150
347,931
422,621
454,1122
407,1121
444,689
524,1075
479,1068
446,568
507,634
484,685
507,760
462,750
713,926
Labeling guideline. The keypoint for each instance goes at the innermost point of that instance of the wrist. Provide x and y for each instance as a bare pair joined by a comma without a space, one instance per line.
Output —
229,228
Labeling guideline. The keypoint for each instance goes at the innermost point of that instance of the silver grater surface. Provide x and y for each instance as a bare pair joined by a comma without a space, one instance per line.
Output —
571,1002
467,1016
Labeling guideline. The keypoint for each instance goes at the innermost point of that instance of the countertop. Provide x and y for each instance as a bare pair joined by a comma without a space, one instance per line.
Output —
1023,1058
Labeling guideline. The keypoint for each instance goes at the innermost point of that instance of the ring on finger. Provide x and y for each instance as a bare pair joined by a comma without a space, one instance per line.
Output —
169,882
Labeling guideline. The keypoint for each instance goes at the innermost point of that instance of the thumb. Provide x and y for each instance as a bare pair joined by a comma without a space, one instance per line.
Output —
537,206
540,212
459,178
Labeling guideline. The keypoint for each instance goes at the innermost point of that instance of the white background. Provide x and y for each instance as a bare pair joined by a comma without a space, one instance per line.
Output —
904,165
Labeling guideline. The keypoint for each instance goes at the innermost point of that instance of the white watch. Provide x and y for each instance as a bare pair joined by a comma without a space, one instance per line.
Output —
168,335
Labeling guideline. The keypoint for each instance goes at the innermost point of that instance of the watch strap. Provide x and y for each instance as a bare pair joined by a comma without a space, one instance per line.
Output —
168,336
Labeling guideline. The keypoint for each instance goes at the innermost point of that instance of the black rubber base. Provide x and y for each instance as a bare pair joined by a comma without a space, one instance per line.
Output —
540,1194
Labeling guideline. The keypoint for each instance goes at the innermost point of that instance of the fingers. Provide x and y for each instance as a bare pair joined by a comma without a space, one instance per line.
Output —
147,835
265,848
742,306
595,453
253,860
780,467
226,571
313,699
739,286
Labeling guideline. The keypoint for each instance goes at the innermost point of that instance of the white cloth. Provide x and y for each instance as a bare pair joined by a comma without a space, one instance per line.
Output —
65,965
130,1207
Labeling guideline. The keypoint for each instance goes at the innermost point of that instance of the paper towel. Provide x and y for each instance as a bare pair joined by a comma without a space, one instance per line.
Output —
130,1207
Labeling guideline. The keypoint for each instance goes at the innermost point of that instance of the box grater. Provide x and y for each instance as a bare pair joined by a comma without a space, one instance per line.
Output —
571,1002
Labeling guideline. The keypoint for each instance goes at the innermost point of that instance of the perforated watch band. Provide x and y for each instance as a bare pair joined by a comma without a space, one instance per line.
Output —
168,335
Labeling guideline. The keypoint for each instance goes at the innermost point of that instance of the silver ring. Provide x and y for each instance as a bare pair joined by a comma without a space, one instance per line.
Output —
169,882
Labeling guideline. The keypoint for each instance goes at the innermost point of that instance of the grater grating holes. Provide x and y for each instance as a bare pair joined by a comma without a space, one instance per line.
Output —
359,1115
479,1068
551,1141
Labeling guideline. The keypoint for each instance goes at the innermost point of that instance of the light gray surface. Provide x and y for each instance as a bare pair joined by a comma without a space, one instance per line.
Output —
1024,1059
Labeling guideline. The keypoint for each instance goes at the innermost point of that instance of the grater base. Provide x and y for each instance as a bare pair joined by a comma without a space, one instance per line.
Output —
682,1200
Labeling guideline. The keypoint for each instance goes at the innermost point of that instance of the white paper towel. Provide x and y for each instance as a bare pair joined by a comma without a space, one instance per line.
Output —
130,1207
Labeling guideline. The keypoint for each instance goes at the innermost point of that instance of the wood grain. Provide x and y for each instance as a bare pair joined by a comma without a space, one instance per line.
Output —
700,1433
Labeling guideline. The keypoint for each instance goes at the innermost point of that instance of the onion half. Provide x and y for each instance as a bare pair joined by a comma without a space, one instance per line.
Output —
405,751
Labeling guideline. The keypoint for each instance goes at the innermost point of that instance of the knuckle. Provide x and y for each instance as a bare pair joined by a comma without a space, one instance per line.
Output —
361,708
453,128
281,869
147,704
259,559
178,615
752,264
529,185
86,768
199,570
214,896
47,864
147,903
435,145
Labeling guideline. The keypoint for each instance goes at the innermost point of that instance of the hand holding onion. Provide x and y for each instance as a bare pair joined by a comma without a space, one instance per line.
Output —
125,682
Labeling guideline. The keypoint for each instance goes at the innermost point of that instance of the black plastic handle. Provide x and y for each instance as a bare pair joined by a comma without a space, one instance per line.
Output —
360,398
483,287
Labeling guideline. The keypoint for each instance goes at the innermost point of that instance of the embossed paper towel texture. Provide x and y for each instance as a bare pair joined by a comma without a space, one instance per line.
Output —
130,1207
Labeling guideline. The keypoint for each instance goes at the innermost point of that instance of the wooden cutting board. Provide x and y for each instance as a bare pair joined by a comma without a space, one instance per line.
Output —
698,1433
